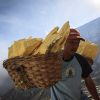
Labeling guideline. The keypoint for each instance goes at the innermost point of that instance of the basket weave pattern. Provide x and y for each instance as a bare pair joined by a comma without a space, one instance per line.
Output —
35,70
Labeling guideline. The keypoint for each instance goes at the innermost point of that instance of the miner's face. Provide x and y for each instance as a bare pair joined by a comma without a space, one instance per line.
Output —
71,46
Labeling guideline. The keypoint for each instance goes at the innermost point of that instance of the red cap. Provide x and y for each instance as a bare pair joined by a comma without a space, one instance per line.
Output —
74,34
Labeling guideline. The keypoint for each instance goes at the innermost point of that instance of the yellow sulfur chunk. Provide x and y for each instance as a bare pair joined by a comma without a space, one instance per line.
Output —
88,49
24,47
47,42
63,33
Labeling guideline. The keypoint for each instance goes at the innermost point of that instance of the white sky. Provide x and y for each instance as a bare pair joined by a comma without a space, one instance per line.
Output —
24,18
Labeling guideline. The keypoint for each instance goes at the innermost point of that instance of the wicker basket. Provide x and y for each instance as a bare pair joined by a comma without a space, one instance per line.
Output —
35,71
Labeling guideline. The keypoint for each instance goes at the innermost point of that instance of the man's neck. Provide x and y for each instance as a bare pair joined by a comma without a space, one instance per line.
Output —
67,56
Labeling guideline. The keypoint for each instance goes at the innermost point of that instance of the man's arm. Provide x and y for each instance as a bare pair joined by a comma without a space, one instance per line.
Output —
91,87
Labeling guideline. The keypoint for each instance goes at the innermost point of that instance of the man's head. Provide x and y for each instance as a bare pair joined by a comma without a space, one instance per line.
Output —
72,41
74,35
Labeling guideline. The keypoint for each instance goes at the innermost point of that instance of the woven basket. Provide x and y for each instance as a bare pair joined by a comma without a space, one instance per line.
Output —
35,71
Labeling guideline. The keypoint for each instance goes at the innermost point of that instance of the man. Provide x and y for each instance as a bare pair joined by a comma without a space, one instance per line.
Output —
74,68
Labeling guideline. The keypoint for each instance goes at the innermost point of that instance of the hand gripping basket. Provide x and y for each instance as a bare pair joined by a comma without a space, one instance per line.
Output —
35,71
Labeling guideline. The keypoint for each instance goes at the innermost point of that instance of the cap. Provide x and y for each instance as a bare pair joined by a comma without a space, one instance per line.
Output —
74,34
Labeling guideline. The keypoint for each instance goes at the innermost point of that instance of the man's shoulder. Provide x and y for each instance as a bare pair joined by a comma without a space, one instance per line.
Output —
86,68
81,59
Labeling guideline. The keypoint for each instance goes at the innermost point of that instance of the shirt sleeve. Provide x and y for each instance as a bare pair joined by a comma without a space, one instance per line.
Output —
86,67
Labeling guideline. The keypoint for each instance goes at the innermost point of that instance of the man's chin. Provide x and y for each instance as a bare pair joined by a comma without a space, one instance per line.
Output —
73,52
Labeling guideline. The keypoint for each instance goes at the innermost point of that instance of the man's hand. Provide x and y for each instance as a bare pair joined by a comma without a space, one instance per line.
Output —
91,87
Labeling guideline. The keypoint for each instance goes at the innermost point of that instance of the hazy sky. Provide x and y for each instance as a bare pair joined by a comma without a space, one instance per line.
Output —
24,18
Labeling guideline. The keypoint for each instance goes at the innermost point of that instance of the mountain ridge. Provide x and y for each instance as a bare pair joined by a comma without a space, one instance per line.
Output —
91,30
